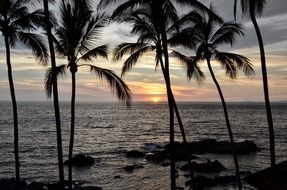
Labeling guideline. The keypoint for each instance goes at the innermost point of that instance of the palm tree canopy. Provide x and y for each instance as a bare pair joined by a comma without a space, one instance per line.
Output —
211,33
76,36
254,7
17,22
144,25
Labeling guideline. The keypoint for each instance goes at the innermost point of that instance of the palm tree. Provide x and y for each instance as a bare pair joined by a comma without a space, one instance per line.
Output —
145,26
163,7
253,8
16,23
210,34
55,90
75,39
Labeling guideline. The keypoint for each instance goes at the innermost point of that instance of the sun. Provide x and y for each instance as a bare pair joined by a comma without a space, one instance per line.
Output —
155,99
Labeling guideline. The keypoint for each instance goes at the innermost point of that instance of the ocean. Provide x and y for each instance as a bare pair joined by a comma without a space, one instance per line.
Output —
106,131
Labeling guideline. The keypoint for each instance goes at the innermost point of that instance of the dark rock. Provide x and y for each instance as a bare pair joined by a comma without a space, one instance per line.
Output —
131,168
36,186
165,164
244,173
201,182
210,146
224,180
272,178
156,157
81,160
135,154
208,167
10,184
117,177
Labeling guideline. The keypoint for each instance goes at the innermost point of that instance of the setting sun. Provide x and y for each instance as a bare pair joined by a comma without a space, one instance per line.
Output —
156,99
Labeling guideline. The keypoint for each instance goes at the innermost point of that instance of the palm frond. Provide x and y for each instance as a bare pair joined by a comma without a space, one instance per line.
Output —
124,7
254,7
50,77
116,84
92,32
126,48
133,58
191,65
185,38
231,60
226,34
36,43
104,3
200,7
101,51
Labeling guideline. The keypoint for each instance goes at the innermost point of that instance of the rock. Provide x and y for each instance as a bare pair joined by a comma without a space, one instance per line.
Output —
270,178
135,154
131,168
208,167
245,173
36,186
202,182
165,164
224,180
117,177
156,157
210,146
81,160
10,184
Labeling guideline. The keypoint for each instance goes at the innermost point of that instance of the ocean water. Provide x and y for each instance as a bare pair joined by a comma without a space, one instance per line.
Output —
107,131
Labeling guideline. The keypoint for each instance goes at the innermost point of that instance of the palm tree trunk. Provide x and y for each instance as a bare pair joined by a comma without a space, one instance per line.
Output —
227,125
72,132
171,112
265,86
55,93
15,115
179,122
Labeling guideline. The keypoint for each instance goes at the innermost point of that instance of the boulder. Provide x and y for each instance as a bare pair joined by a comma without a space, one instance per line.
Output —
202,182
156,157
208,167
131,168
135,154
81,160
223,180
211,146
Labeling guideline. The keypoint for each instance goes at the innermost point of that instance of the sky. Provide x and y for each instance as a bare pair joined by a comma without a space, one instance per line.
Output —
147,84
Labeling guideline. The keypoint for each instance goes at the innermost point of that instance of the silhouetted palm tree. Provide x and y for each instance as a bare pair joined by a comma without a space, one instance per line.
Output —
144,25
253,8
48,26
78,31
211,33
167,8
16,23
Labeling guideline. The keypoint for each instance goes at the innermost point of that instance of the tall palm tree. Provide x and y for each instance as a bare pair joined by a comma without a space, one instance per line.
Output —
253,8
48,28
16,23
210,34
144,25
75,39
166,7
